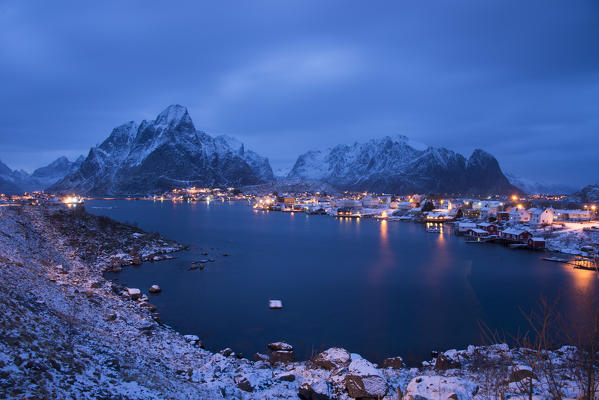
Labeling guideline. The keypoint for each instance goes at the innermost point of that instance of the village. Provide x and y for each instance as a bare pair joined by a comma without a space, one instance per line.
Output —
535,222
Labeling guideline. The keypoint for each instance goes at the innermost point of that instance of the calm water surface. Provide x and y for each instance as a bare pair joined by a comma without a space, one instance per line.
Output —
376,288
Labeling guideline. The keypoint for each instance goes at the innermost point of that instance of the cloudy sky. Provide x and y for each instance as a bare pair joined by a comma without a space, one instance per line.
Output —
519,79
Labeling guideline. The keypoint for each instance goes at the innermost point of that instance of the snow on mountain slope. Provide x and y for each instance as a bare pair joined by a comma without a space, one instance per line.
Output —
19,181
537,187
164,153
397,164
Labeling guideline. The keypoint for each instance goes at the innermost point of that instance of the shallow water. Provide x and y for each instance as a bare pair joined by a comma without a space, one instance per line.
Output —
377,288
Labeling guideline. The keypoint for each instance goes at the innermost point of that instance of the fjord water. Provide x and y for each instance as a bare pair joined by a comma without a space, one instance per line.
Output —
376,288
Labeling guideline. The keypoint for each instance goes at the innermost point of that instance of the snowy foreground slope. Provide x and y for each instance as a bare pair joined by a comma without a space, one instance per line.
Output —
161,154
65,332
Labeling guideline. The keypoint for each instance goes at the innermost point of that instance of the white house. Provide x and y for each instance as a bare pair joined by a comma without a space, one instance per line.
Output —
541,217
371,202
572,215
519,215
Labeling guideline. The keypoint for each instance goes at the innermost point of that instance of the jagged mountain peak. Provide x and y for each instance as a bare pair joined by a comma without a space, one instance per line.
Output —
481,157
173,115
397,164
164,153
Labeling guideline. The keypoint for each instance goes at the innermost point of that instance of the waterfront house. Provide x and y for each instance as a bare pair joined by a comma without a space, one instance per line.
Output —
519,215
541,217
503,216
439,216
471,213
515,235
572,215
464,226
536,243
370,202
476,233
492,229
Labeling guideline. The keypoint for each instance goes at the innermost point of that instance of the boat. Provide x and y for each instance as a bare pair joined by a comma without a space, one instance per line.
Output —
555,259
433,230
275,304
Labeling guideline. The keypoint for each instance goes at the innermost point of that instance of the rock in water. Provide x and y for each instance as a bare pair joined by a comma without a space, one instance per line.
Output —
155,289
134,293
393,362
364,381
332,358
282,346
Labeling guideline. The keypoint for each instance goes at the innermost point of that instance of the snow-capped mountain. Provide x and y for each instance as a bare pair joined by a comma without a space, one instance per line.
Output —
9,180
398,165
161,154
19,181
536,187
588,194
45,177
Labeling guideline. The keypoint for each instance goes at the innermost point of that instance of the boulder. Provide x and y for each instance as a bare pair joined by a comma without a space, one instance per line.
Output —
260,357
332,358
243,383
282,346
317,390
393,362
440,387
282,357
151,307
262,365
110,317
193,339
155,289
146,326
134,293
363,380
287,378
192,267
226,352
444,363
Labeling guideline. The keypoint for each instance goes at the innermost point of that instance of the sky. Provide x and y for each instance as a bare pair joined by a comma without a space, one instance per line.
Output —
519,79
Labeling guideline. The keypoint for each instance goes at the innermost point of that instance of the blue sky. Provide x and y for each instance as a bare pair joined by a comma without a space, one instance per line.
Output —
518,79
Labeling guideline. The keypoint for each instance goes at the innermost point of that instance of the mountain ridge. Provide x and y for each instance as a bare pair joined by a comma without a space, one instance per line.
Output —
162,154
393,164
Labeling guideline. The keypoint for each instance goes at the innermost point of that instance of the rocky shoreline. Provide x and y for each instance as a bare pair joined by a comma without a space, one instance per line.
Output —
66,332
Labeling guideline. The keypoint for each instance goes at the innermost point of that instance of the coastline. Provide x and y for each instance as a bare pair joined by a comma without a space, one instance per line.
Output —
68,332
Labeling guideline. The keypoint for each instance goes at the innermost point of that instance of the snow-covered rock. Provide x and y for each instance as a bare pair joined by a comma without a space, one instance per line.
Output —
332,358
440,387
393,362
314,390
155,289
282,346
364,380
134,293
